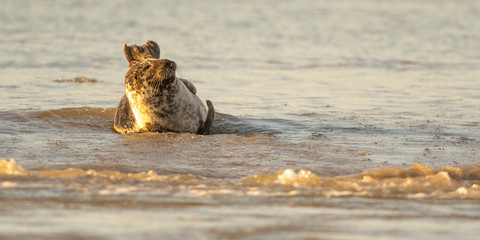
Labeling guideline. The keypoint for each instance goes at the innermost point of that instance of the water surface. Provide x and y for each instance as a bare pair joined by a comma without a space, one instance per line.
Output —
335,120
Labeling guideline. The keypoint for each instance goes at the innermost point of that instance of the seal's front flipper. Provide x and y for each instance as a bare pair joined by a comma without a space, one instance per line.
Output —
124,119
189,85
205,129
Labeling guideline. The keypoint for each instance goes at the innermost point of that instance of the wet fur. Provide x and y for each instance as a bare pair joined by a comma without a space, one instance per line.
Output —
159,100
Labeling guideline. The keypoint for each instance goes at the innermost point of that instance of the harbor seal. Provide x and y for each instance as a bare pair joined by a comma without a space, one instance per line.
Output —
156,100
150,49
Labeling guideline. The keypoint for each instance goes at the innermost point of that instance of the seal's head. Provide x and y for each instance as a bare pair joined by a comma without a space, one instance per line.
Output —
149,76
148,84
134,53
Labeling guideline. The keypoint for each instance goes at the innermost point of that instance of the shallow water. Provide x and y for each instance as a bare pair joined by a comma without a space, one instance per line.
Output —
335,120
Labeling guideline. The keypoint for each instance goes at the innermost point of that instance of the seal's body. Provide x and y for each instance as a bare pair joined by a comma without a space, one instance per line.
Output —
156,100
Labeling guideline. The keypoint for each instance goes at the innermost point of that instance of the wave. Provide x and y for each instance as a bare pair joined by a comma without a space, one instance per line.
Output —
79,112
97,119
416,181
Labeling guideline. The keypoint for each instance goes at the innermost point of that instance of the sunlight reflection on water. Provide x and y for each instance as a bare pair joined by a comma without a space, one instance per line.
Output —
313,92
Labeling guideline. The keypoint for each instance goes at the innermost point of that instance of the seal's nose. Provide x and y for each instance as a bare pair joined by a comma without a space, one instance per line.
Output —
170,64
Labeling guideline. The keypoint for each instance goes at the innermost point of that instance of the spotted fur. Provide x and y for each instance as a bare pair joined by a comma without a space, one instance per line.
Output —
157,101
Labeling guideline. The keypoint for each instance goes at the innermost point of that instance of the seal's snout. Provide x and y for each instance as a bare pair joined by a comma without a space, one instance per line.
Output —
170,64
165,73
166,67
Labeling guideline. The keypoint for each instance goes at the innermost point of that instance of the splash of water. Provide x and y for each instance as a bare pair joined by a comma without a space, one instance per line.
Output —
416,181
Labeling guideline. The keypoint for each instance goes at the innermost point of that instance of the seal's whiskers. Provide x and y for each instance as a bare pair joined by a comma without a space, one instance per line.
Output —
179,71
156,85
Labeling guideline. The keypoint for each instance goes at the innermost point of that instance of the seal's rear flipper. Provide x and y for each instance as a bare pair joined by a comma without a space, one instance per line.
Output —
153,48
134,53
209,121
128,52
